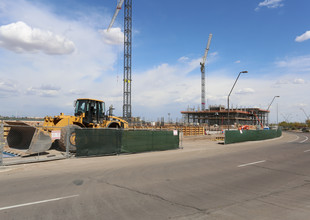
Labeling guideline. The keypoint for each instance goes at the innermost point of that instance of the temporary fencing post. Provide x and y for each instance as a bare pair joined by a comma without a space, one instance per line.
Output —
1,143
181,139
38,156
67,139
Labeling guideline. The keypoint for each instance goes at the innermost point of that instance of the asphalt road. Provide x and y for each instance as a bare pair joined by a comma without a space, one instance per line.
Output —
205,180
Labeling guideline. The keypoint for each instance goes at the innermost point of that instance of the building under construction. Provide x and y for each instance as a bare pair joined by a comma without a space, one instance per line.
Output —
218,115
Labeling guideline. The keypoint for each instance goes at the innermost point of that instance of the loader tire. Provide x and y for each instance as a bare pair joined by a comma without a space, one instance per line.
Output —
65,131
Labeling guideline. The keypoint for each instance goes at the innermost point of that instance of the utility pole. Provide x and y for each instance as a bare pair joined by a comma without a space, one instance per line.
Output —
228,121
203,75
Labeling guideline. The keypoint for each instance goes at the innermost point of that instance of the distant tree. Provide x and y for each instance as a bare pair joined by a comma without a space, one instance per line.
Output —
292,125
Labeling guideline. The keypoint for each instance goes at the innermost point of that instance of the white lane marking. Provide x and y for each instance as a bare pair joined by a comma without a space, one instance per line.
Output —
38,202
304,140
306,151
297,137
247,164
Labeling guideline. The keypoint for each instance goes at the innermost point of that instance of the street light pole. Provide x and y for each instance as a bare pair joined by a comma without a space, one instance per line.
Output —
277,114
228,122
269,107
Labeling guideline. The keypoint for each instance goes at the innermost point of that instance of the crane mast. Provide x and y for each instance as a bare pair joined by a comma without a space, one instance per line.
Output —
127,60
127,54
203,75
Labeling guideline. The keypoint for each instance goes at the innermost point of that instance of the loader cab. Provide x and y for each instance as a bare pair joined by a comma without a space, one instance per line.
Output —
93,109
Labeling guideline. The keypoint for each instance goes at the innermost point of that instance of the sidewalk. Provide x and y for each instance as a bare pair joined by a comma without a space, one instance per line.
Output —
48,156
213,139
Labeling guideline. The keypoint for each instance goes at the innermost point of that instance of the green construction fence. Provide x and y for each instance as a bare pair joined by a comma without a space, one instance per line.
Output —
92,142
95,142
235,136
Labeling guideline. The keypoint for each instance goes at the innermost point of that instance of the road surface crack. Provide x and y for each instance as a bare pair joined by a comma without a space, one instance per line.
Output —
282,171
156,197
259,198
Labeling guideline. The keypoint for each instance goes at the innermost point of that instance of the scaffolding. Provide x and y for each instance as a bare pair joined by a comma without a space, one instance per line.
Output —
218,116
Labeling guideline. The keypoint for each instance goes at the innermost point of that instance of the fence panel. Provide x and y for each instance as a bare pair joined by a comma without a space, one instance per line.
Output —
165,140
92,142
135,141
250,135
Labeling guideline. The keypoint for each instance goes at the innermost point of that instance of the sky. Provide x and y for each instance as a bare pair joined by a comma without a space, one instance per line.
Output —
55,51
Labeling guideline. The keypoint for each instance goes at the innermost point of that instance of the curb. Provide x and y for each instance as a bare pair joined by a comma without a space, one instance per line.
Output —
17,161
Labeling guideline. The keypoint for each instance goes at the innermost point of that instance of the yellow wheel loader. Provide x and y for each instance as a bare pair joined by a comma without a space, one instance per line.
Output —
89,113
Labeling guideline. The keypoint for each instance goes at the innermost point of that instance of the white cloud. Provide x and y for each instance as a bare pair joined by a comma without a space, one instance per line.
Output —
49,87
77,92
237,61
270,4
114,36
91,71
44,90
301,105
245,91
169,88
214,54
300,63
183,59
212,57
282,82
21,38
303,37
7,88
289,80
299,81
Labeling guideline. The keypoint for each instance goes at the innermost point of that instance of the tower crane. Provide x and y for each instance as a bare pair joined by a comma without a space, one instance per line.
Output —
127,54
203,75
305,114
118,8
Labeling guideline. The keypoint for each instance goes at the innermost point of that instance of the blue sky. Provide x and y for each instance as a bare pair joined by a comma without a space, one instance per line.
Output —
54,51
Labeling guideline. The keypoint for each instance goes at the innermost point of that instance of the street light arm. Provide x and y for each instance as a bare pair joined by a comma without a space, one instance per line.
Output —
272,101
236,81
234,84
229,96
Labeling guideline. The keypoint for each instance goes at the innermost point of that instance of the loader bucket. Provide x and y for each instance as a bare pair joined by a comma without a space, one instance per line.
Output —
25,137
